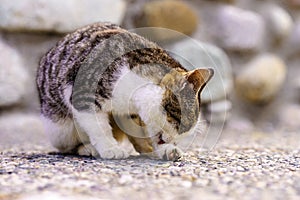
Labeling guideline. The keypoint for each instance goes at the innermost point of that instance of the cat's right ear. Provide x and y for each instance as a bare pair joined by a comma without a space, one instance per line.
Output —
199,78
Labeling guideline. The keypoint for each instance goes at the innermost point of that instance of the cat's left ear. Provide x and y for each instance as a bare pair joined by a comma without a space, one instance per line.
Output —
199,78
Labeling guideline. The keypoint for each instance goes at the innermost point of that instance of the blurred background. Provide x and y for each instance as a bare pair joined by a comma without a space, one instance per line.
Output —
254,46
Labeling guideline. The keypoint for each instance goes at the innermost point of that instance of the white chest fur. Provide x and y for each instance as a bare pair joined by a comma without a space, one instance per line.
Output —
132,93
135,94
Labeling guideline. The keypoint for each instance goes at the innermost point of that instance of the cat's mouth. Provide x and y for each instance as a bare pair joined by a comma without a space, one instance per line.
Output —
160,139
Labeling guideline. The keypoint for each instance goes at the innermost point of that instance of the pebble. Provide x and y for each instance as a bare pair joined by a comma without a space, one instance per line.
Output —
201,183
194,54
278,21
240,169
13,76
38,15
186,184
236,29
174,15
125,179
256,84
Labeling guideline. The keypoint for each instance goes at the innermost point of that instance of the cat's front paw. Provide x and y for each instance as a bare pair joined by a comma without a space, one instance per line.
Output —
173,153
114,153
170,152
87,150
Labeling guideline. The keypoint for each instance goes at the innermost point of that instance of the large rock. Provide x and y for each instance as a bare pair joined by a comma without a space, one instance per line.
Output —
236,29
293,45
294,3
194,54
261,79
175,15
297,85
21,129
278,21
56,15
13,76
219,111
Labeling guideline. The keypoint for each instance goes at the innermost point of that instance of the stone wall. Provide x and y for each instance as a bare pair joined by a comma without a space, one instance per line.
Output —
254,46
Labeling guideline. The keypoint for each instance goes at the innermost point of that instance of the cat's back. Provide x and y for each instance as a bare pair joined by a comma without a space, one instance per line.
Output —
107,46
69,52
59,66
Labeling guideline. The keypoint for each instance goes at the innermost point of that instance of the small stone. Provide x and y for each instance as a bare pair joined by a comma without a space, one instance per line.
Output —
190,178
240,169
166,165
186,184
261,79
202,182
278,21
13,76
261,184
174,15
38,15
194,54
236,29
125,179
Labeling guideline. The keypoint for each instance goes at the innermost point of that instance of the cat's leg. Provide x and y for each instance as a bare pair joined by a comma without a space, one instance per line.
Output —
128,146
97,127
165,151
168,152
87,150
62,134
122,138
141,145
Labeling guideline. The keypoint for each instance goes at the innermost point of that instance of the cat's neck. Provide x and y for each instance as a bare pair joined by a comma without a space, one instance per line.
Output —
134,94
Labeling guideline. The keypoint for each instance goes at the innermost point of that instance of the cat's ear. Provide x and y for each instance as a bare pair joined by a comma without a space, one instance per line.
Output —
199,78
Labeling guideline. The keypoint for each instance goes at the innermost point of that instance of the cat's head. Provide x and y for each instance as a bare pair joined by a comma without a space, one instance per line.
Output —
180,102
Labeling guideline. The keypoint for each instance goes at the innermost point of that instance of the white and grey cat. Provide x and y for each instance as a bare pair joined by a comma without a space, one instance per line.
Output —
103,69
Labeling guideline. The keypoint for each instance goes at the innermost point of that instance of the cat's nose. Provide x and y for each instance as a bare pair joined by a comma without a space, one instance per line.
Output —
163,138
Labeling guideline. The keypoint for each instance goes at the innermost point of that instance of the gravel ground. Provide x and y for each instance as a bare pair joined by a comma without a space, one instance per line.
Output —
254,166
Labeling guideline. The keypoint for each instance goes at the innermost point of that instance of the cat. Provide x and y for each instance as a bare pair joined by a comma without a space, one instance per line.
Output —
101,71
